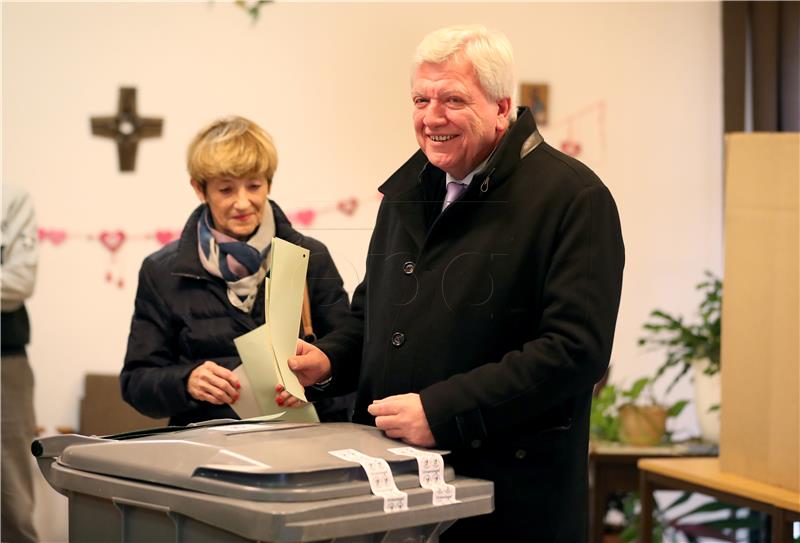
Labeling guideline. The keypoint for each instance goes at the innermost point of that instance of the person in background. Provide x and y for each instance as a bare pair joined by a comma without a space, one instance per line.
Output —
18,261
488,308
198,293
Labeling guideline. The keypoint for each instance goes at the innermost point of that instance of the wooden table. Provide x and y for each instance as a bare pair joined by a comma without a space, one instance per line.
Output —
704,476
612,468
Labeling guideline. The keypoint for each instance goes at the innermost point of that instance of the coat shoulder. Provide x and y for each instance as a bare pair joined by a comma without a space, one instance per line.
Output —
570,174
161,261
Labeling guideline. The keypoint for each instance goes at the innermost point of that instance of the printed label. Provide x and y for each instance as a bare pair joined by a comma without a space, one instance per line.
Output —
379,475
431,474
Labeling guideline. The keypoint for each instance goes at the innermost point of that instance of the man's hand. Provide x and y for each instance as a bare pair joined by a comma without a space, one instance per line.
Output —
310,365
210,382
403,417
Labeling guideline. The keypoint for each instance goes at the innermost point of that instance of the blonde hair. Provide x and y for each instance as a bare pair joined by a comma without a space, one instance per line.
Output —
490,53
232,147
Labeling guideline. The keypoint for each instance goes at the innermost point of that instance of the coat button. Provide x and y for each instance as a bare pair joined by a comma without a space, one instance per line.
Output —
476,443
408,268
520,454
398,338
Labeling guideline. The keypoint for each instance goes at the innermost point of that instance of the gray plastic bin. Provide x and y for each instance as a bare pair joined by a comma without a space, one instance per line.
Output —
240,481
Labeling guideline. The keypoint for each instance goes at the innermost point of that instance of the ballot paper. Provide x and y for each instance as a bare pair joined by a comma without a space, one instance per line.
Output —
265,351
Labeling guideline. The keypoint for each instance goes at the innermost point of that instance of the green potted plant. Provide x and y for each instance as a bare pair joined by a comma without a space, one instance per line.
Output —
693,346
630,416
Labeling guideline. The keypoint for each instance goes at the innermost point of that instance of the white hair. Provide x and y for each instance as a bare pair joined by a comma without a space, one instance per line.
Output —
489,52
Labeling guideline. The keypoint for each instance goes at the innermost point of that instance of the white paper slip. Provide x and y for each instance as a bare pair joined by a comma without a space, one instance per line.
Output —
286,286
247,405
265,351
431,474
379,475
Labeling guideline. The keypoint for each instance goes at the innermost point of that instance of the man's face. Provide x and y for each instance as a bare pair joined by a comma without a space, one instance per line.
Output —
456,125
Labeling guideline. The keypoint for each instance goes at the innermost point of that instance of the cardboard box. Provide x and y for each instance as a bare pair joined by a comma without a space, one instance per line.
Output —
760,417
104,412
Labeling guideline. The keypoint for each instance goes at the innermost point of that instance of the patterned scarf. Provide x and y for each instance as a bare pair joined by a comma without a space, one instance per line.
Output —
242,265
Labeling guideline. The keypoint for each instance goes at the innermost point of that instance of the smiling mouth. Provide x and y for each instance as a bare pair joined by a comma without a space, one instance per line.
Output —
440,138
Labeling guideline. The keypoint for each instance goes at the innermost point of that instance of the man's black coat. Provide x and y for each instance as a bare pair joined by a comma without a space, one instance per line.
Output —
500,312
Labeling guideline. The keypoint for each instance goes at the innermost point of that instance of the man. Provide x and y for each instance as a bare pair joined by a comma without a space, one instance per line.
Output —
18,260
487,311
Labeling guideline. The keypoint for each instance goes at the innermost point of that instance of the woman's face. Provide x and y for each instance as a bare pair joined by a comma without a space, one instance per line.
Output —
236,205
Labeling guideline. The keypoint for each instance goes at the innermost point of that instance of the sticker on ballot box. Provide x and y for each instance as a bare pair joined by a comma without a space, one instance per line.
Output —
379,475
431,474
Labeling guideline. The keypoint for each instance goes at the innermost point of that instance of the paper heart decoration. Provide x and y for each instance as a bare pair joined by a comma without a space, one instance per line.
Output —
572,148
165,236
57,237
112,240
305,217
348,207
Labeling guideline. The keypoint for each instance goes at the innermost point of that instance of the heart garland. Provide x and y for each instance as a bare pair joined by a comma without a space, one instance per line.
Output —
166,236
348,207
114,240
303,217
55,236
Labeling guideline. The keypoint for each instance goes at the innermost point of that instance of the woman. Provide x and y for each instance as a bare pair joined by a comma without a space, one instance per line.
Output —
198,293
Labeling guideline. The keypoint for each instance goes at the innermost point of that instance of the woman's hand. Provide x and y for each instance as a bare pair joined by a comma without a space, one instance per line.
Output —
210,382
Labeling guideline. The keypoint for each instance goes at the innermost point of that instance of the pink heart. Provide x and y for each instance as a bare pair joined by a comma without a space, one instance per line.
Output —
305,217
572,148
348,207
165,236
112,240
57,237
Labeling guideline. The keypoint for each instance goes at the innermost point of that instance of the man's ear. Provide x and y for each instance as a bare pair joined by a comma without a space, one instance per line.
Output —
503,111
199,189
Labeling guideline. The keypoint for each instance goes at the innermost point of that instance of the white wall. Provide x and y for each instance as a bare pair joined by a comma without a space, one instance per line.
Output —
330,82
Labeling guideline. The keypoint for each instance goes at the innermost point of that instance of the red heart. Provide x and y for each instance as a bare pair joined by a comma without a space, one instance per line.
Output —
165,236
112,240
305,217
348,207
57,237
572,148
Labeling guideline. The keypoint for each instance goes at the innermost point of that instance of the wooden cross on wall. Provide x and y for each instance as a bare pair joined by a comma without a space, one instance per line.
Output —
127,128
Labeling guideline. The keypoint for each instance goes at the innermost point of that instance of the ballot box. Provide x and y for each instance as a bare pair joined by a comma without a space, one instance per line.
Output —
257,481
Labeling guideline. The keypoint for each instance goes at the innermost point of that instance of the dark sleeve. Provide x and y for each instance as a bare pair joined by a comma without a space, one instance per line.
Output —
571,348
153,378
344,346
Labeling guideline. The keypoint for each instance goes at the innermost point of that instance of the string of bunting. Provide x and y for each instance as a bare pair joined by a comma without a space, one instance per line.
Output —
113,240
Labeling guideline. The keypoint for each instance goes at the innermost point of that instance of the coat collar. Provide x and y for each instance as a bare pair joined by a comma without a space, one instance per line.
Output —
405,190
188,262
516,143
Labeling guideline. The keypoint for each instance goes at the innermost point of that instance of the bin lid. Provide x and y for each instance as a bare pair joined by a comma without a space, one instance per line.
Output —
262,461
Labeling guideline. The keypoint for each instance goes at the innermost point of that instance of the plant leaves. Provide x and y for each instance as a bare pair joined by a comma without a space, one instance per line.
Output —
676,408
